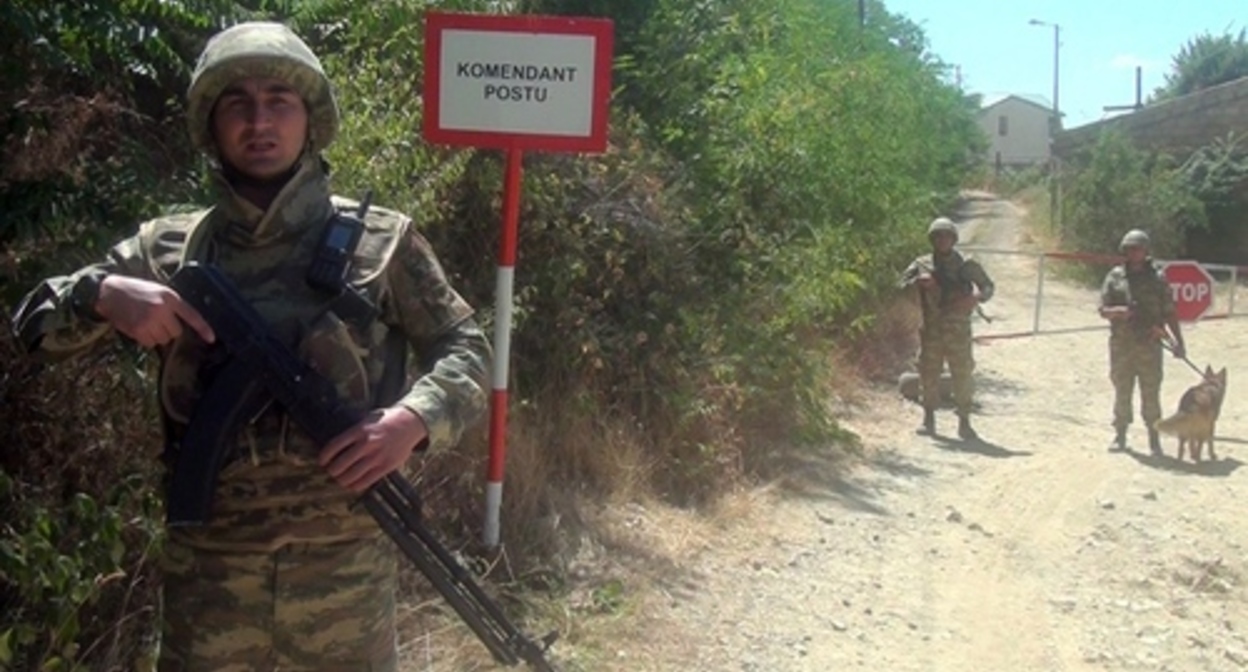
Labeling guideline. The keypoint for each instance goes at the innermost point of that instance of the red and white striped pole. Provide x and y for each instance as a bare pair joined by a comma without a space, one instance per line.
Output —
503,293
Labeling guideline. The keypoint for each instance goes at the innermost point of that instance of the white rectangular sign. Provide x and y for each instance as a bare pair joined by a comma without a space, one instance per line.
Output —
517,83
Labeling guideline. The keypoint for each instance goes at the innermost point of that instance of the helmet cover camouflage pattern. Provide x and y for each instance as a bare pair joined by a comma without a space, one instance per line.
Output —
942,224
260,49
1134,238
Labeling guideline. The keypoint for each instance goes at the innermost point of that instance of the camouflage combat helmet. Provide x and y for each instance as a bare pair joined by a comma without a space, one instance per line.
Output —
1134,237
942,224
260,49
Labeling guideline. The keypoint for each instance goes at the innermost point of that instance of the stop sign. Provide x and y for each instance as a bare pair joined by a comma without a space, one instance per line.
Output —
1192,289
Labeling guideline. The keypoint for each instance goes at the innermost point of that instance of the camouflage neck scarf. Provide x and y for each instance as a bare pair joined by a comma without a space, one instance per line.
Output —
302,202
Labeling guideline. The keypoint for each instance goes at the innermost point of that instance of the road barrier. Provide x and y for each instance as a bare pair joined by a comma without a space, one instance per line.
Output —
1085,271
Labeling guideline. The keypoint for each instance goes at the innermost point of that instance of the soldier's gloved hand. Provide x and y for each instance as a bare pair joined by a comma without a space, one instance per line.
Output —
148,312
379,444
926,281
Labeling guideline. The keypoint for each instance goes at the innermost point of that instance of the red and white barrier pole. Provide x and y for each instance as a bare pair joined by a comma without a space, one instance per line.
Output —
504,292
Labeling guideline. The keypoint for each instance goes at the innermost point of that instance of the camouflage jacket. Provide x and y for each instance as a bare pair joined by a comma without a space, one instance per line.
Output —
273,492
956,276
1148,295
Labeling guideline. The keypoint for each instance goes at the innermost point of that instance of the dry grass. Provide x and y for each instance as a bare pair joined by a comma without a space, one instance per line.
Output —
1037,230
886,351
569,554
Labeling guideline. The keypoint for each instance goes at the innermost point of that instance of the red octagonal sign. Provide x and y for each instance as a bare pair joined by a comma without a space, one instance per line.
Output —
1192,289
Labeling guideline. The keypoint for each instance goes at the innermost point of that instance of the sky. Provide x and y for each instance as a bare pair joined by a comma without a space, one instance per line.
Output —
1101,43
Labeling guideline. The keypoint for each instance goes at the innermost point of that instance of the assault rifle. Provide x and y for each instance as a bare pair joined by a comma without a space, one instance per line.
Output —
263,370
923,269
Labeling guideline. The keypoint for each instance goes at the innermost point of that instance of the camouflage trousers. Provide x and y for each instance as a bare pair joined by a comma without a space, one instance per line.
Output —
1131,360
949,342
328,608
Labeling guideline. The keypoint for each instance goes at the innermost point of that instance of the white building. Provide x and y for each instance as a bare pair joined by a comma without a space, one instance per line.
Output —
1018,128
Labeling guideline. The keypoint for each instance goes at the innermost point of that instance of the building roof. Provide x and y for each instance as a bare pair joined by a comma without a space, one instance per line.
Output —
993,99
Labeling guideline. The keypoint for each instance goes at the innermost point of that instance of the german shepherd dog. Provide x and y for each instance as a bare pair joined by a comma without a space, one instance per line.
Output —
1197,414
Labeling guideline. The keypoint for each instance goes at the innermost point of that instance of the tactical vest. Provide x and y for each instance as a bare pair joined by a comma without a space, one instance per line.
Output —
950,286
350,352
1145,291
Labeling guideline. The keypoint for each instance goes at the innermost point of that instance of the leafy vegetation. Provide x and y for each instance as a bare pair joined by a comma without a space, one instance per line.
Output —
1218,174
1119,188
1204,61
771,166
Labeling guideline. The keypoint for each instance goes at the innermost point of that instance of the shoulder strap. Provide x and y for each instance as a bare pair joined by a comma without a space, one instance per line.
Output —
169,242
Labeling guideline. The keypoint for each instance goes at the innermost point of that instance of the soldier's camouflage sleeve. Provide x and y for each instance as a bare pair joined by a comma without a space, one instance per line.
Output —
912,273
452,351
974,271
1108,289
55,321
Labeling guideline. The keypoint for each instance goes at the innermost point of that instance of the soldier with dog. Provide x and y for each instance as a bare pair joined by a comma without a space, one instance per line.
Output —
1136,300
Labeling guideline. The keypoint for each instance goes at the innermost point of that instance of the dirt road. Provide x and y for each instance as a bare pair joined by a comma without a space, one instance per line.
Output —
1035,550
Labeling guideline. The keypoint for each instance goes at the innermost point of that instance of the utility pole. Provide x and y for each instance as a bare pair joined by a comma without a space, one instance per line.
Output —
1139,94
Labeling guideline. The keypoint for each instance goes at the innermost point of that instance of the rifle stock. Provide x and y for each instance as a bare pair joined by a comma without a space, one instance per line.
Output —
311,402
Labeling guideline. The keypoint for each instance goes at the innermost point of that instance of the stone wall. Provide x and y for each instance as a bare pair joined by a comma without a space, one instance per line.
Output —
1177,126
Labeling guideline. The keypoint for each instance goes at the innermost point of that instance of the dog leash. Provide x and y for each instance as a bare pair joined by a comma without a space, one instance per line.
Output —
1169,345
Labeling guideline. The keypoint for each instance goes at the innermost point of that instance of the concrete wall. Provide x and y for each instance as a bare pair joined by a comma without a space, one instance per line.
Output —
1176,126
1026,138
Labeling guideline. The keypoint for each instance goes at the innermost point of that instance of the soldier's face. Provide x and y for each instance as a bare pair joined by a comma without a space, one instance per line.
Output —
942,241
260,126
1135,254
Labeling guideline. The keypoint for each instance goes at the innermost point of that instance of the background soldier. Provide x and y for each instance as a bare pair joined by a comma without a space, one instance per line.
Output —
288,572
1136,300
950,289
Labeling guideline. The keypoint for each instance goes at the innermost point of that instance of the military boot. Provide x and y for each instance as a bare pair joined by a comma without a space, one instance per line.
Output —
928,428
1120,439
965,431
1154,442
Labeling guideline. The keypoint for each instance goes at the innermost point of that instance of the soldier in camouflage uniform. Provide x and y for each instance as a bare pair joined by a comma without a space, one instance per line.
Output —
1136,300
950,289
288,573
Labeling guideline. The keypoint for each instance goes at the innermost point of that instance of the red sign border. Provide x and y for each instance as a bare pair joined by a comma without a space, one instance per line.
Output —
602,30
1188,263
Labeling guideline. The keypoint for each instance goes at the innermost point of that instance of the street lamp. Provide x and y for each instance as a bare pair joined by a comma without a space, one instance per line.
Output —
1055,188
1057,45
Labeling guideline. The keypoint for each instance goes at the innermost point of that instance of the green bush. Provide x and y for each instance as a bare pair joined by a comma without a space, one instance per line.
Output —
66,569
1116,188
